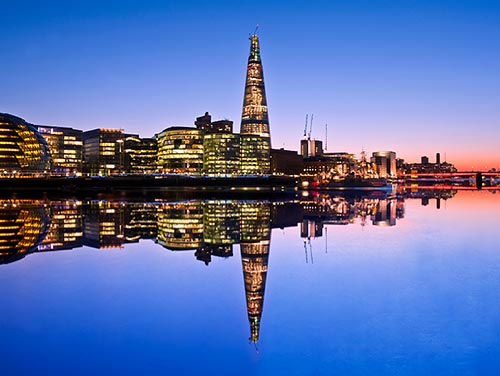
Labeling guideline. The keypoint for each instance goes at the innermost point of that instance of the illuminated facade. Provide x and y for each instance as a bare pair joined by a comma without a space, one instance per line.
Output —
255,135
330,164
221,154
22,147
180,150
103,151
140,155
66,149
385,163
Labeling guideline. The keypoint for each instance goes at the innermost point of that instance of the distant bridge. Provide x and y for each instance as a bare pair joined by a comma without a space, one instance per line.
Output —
444,175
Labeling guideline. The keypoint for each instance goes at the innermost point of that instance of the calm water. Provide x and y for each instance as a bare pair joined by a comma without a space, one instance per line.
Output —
318,286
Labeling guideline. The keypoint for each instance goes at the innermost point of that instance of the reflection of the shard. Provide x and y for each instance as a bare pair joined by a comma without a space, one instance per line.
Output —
254,258
209,228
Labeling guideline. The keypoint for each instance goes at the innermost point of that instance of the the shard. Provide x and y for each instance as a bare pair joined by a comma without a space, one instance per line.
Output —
254,131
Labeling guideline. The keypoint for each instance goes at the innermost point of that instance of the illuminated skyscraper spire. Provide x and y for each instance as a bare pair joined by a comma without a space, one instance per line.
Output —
255,135
254,119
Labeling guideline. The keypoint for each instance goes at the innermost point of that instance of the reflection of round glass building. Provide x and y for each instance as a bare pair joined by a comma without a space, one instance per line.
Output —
23,225
22,147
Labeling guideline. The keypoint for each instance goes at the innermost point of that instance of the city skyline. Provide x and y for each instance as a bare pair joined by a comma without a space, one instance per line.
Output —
366,69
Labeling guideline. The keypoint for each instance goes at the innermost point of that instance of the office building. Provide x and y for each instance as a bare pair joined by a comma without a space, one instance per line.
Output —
66,149
103,151
286,162
221,154
180,150
140,155
23,150
385,163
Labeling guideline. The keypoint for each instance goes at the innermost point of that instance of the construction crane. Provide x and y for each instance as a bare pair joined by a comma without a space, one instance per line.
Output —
305,127
326,136
310,127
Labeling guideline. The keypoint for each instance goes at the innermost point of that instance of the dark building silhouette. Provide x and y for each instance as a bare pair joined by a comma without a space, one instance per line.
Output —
287,162
204,122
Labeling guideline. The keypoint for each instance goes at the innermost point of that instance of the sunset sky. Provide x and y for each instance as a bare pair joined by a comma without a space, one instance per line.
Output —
417,77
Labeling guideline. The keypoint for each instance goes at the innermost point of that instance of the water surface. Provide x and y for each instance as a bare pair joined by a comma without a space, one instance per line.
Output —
320,285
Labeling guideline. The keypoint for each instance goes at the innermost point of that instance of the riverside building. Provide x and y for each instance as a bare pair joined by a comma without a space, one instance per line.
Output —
140,155
23,150
180,150
66,149
385,163
255,145
103,151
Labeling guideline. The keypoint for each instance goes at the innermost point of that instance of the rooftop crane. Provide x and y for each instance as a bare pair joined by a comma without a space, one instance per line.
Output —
326,136
310,127
305,127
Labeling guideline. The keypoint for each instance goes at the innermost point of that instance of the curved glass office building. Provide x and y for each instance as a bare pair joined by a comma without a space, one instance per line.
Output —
180,150
22,147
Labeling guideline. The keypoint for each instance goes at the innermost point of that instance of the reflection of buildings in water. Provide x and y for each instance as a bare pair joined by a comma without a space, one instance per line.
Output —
384,213
255,221
425,195
141,222
180,225
103,224
23,225
221,222
66,226
254,258
211,228
326,209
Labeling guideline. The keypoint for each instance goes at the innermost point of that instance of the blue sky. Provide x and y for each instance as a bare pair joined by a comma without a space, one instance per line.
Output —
417,77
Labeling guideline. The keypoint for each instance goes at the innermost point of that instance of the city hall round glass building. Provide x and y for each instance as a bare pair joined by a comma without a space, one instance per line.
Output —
22,147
